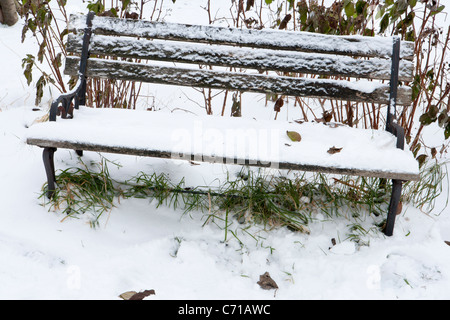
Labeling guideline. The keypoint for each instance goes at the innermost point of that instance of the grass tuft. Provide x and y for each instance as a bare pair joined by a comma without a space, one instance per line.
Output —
86,189
268,200
424,193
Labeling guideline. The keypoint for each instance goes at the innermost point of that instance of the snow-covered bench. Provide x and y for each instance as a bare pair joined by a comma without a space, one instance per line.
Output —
373,153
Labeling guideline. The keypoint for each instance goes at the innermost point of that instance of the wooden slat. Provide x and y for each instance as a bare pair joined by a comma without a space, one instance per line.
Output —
320,88
200,157
272,39
260,59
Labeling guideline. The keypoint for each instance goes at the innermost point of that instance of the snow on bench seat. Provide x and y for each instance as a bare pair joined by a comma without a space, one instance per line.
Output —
241,141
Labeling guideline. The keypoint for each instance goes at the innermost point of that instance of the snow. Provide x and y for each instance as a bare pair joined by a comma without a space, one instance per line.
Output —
138,246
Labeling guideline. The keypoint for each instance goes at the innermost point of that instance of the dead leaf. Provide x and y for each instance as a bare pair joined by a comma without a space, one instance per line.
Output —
327,115
132,15
266,282
108,13
294,136
127,295
433,153
333,242
447,242
278,104
399,208
133,295
334,150
250,4
285,21
421,159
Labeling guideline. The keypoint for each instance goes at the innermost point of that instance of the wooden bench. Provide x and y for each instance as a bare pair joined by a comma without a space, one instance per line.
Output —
372,153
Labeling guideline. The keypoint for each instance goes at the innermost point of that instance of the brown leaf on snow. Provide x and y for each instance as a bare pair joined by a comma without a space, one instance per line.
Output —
266,282
133,295
447,242
127,295
334,150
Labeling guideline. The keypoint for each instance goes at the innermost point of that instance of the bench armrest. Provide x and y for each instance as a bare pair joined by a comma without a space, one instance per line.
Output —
63,106
398,131
79,92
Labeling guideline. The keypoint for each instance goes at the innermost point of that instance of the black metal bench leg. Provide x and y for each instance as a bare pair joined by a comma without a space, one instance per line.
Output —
50,170
393,207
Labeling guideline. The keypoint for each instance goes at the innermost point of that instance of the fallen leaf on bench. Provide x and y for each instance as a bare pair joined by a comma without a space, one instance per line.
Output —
133,295
334,150
266,282
294,136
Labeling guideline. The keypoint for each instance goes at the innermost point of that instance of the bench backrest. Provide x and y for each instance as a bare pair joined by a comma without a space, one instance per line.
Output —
286,52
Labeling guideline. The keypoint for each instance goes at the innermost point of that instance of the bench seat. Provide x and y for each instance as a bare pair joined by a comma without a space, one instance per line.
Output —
228,140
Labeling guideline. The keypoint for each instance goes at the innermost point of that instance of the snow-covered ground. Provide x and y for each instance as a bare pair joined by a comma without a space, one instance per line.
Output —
138,246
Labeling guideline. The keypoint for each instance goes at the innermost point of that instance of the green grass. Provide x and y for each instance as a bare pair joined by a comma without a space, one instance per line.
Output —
251,197
423,193
82,190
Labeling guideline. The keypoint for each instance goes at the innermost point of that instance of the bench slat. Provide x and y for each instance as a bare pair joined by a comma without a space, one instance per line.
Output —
274,39
362,91
203,158
262,59
228,140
